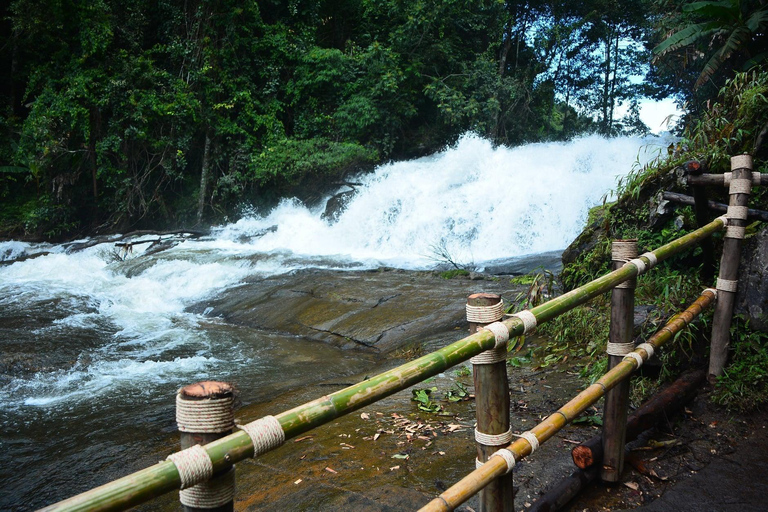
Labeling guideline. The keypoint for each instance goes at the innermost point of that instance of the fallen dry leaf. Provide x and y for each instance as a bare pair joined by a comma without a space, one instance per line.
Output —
302,439
364,415
394,468
297,482
632,485
331,471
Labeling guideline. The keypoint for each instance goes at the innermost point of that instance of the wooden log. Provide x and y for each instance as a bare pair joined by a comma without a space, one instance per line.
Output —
729,265
492,410
163,477
661,405
724,180
620,336
201,391
567,489
497,466
674,197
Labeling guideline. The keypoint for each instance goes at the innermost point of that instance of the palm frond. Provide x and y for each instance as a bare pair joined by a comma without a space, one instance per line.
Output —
684,37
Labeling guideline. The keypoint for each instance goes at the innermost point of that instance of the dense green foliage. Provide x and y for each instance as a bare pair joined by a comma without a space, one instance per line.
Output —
117,114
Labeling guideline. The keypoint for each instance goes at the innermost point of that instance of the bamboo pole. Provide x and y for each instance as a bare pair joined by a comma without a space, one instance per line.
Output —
724,180
497,466
664,404
752,213
163,477
204,391
729,263
619,344
492,410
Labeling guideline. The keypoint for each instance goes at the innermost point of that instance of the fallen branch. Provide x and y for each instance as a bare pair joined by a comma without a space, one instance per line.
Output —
674,197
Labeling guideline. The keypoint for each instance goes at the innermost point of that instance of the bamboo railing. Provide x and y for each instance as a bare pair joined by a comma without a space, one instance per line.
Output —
163,477
497,466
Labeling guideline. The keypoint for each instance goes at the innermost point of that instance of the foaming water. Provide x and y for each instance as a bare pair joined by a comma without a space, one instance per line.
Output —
472,201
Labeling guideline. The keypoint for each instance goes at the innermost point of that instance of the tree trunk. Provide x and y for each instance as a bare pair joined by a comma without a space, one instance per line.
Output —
204,176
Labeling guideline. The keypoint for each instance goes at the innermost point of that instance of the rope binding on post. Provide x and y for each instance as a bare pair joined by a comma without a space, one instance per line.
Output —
212,493
208,416
493,439
485,314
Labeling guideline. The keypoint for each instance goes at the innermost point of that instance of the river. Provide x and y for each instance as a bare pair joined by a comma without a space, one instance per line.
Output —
94,342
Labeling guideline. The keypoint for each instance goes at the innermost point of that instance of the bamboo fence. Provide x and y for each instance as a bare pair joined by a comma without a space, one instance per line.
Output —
163,477
497,466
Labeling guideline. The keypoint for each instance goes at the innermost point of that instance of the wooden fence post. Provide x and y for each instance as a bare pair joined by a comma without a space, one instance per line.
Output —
619,344
489,370
204,413
727,282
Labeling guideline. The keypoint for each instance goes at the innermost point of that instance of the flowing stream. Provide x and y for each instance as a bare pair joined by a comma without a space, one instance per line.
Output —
94,342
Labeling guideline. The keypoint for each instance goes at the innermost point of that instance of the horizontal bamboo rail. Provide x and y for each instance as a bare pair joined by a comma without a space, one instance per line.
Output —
497,466
163,477
725,179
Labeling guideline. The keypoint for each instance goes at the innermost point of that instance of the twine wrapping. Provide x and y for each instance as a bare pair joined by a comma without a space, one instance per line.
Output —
208,416
266,433
737,232
637,357
528,318
723,218
493,439
649,349
508,457
652,259
211,494
737,212
485,314
193,464
712,290
532,440
619,349
493,356
639,264
740,186
500,333
727,178
741,162
623,250
757,178
505,454
726,285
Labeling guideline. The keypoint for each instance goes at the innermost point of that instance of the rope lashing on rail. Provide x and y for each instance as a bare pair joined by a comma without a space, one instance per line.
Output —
637,357
727,285
711,290
212,493
266,434
493,439
193,464
505,454
208,416
532,440
499,352
528,318
624,251
649,349
485,314
757,178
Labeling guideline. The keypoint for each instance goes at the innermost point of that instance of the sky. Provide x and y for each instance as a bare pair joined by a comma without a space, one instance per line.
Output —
653,113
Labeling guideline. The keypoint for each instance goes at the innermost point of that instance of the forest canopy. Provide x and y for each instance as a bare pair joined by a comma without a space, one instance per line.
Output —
122,114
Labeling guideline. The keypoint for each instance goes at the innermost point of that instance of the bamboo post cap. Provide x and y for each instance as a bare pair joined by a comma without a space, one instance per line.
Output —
206,389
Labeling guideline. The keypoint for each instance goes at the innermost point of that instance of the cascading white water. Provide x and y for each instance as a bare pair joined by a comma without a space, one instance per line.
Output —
473,202
476,202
